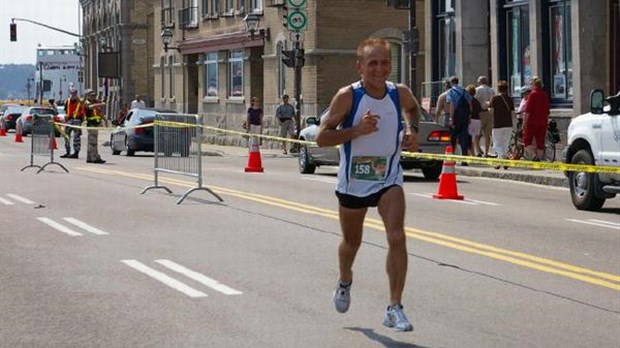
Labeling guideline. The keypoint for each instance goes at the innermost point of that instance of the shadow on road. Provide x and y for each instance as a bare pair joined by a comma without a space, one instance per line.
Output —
386,341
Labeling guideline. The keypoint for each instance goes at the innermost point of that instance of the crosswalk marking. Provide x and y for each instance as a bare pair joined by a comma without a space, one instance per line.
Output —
164,278
599,223
62,228
84,226
212,283
20,198
6,201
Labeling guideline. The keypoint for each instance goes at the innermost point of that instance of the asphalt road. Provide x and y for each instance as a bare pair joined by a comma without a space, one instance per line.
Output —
88,261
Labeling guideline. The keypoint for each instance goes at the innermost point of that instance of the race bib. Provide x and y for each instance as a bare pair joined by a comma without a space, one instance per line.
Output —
368,168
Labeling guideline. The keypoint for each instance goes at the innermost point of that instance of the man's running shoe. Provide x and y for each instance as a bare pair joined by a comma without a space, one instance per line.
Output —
342,297
396,319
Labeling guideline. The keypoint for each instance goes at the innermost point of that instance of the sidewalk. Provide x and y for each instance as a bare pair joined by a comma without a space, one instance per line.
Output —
541,177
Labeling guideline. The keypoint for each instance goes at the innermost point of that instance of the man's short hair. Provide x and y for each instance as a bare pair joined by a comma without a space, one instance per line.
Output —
361,48
285,96
483,80
454,80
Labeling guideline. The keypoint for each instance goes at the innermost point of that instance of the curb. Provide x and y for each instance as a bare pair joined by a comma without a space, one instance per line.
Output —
534,178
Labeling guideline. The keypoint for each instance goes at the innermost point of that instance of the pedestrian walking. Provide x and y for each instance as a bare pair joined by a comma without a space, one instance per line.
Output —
138,103
474,122
442,114
51,103
484,93
536,119
366,117
74,108
460,106
94,117
502,107
285,113
254,119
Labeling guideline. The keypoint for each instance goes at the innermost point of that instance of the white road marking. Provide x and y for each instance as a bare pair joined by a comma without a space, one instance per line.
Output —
212,283
62,228
599,223
84,226
606,222
429,195
20,198
164,278
6,201
482,202
320,179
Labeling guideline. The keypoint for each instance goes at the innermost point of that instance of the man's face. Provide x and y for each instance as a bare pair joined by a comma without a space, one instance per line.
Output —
285,100
375,66
73,95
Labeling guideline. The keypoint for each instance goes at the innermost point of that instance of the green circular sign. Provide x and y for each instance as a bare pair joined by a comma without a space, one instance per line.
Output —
297,3
297,20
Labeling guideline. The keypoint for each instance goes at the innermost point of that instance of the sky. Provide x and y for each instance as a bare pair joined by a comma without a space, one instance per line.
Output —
61,14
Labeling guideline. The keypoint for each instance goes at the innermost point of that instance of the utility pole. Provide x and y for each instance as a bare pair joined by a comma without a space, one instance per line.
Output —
411,40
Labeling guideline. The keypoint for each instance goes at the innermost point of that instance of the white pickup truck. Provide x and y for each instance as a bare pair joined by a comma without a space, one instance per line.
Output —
594,138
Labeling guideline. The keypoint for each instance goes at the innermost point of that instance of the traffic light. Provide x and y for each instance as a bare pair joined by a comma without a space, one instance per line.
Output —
13,31
288,58
301,58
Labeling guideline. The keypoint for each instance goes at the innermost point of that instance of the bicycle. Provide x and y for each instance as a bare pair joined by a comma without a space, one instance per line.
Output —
516,147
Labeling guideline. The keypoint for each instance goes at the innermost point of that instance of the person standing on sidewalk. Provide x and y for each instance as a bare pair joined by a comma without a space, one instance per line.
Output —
460,105
285,113
484,93
138,103
254,119
442,114
502,107
94,117
366,119
474,122
536,118
74,107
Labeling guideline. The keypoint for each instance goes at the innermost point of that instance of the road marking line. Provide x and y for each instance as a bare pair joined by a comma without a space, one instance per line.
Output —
84,226
6,201
537,263
483,202
594,223
62,228
430,195
164,278
20,198
606,222
319,179
201,278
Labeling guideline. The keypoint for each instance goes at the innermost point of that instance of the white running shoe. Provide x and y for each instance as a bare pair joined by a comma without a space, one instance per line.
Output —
342,297
396,319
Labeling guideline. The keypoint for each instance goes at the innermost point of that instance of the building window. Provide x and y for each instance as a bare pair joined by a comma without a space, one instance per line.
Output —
229,8
215,7
445,41
162,70
561,45
281,70
396,57
518,47
211,85
257,6
193,13
235,74
171,76
615,48
167,13
241,6
205,8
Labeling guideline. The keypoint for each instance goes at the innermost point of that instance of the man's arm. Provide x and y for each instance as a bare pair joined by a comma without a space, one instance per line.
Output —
411,113
339,109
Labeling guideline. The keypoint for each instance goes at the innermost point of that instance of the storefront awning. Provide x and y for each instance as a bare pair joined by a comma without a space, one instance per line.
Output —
228,41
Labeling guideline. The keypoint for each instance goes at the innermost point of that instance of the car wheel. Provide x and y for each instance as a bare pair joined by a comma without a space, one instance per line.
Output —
130,151
305,166
433,172
583,184
114,151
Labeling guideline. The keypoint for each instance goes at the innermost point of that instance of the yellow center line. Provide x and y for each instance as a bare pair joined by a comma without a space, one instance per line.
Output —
522,259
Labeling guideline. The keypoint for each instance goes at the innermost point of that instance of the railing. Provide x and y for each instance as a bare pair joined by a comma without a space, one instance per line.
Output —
43,142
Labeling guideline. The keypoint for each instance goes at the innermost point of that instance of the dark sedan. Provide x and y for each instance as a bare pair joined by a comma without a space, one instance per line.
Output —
135,132
433,138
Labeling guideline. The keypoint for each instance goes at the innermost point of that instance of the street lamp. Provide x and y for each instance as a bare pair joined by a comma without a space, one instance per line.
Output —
166,39
252,21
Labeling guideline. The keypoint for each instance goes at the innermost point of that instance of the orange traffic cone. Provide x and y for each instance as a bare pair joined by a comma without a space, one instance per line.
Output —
2,129
255,164
18,133
447,181
53,145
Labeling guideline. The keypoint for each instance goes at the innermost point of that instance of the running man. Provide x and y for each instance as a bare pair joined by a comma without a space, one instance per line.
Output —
366,118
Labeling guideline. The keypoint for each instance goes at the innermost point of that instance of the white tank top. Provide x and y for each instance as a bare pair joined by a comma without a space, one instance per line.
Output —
371,162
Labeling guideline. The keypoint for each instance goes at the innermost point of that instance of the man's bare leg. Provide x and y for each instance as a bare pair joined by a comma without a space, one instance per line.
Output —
352,225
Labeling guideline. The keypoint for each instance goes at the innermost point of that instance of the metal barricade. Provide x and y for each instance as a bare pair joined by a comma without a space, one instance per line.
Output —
43,142
178,150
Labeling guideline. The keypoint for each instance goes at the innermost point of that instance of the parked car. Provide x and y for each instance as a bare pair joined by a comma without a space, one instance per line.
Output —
11,114
62,114
433,138
27,118
127,137
594,139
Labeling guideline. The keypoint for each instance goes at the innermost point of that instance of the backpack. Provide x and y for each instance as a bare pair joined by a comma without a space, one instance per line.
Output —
461,110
